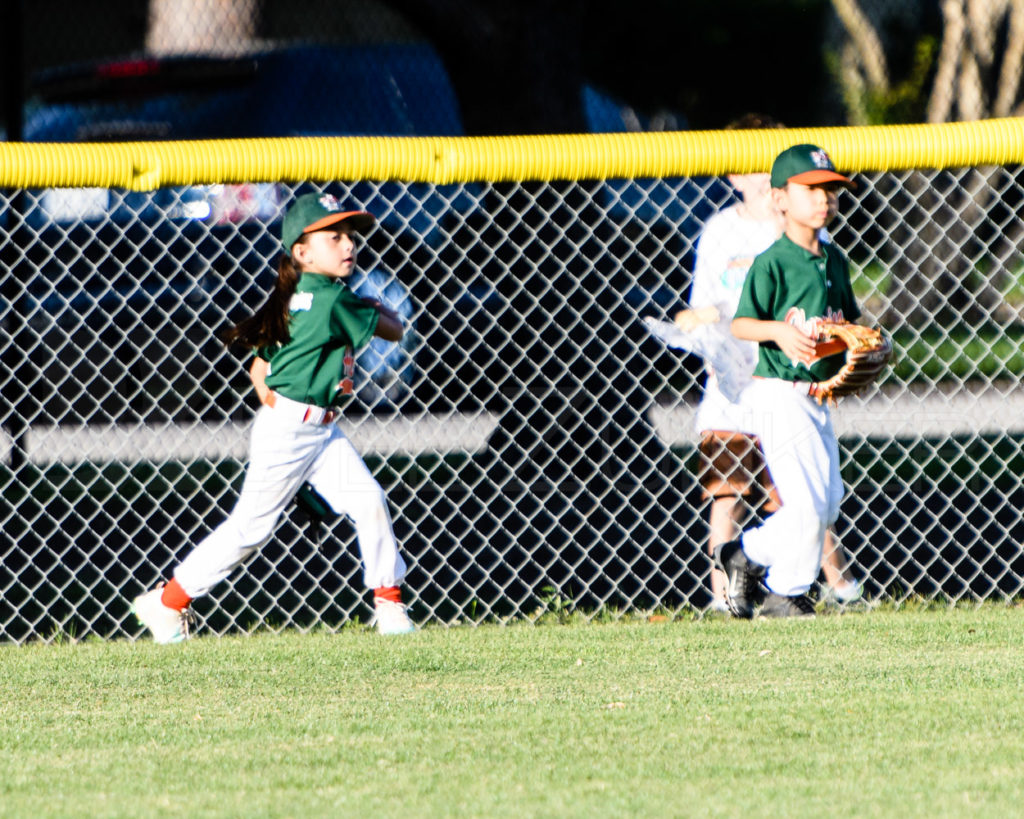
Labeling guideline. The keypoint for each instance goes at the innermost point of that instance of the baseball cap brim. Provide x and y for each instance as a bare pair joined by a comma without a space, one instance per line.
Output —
817,177
358,220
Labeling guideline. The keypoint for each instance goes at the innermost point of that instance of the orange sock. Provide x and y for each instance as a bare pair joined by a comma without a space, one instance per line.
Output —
174,596
392,593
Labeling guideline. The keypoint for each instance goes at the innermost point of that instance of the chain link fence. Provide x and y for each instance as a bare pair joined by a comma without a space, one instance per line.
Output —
535,442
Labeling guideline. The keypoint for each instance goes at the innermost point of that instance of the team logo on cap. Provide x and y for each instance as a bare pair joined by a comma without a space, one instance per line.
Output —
329,202
821,160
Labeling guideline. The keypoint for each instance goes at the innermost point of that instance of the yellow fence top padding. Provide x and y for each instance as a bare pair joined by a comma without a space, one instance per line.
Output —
443,160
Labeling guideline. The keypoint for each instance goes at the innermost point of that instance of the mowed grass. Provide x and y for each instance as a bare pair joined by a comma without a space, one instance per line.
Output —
911,712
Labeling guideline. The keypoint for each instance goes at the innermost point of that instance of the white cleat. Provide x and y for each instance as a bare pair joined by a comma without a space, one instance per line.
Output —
847,592
392,617
167,625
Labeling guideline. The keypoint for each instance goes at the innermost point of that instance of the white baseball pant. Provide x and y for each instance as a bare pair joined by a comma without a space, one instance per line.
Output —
284,452
802,454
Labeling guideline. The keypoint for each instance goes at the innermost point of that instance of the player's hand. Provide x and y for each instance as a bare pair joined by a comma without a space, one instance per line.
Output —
797,345
687,320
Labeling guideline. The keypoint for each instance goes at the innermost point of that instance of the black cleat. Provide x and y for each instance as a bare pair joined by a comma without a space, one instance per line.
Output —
777,605
742,577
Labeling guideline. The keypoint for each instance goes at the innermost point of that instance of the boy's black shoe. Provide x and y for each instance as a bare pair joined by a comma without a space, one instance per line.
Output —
777,605
742,577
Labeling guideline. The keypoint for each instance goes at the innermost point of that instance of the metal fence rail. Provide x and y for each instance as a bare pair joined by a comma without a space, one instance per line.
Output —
534,441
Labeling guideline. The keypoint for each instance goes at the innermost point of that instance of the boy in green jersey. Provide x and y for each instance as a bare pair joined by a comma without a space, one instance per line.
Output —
791,287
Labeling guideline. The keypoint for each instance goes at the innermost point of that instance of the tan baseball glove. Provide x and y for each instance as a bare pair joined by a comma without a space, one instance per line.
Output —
868,353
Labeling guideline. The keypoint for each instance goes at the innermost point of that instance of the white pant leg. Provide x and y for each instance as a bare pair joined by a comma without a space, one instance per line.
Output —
837,490
802,455
281,455
343,480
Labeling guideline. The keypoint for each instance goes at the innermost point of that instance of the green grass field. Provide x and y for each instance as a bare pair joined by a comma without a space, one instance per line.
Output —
911,712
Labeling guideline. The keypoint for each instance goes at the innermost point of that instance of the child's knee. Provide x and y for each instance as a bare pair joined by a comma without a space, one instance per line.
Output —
372,500
362,500
249,533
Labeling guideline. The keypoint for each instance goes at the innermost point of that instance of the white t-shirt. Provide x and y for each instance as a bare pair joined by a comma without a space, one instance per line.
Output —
725,251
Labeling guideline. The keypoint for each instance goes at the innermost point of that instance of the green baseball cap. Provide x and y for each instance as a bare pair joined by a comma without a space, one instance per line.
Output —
316,211
806,165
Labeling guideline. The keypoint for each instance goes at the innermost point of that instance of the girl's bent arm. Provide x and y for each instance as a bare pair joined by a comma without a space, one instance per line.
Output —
389,325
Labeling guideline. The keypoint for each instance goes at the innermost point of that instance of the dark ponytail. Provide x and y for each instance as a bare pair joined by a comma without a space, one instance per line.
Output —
269,324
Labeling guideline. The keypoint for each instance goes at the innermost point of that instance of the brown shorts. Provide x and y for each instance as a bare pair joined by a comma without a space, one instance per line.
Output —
731,464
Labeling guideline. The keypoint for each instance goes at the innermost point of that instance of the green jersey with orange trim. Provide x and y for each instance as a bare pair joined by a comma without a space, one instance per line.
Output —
789,283
327,323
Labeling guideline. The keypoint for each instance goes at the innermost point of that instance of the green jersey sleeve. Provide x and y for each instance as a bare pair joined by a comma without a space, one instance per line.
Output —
354,318
757,299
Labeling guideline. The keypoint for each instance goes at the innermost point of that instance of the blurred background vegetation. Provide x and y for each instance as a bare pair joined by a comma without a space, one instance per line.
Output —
518,67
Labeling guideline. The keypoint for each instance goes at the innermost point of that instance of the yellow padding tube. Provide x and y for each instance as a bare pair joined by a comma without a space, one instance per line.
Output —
443,160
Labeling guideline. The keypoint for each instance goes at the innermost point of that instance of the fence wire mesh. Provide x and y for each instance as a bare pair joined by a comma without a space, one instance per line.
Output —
535,442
